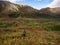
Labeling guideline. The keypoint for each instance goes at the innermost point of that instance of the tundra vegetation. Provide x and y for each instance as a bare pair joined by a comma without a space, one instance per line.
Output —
38,32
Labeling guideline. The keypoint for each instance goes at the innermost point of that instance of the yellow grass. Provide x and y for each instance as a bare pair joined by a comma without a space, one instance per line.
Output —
34,36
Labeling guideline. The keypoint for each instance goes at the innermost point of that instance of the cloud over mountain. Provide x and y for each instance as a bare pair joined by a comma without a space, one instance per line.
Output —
55,3
11,0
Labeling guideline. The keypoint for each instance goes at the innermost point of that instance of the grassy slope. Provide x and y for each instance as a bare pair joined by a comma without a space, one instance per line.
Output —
36,29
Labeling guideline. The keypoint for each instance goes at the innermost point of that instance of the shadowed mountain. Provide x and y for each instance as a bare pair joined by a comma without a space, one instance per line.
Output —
51,12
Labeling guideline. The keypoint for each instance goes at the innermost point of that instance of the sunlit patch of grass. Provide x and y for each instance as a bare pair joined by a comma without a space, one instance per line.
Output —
5,25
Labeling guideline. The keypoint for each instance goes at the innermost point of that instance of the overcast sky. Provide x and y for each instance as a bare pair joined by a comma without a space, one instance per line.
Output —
38,4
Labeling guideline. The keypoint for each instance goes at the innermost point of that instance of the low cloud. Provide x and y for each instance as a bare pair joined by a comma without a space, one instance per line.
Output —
14,1
55,3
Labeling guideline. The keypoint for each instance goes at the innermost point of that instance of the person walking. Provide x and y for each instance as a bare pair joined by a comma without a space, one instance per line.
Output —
24,34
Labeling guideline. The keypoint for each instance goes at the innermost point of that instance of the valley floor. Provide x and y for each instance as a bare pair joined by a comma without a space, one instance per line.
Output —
38,32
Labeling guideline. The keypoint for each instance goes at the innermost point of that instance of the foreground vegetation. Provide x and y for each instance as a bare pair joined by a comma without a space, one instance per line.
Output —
33,37
38,32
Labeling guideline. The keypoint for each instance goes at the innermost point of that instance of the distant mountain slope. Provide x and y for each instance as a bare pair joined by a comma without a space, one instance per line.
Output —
53,12
50,10
11,10
8,9
26,11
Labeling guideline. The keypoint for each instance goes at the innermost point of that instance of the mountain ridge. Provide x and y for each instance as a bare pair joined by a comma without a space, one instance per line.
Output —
8,9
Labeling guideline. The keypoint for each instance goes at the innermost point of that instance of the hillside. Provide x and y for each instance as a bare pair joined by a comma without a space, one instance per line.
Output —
51,12
11,10
8,9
